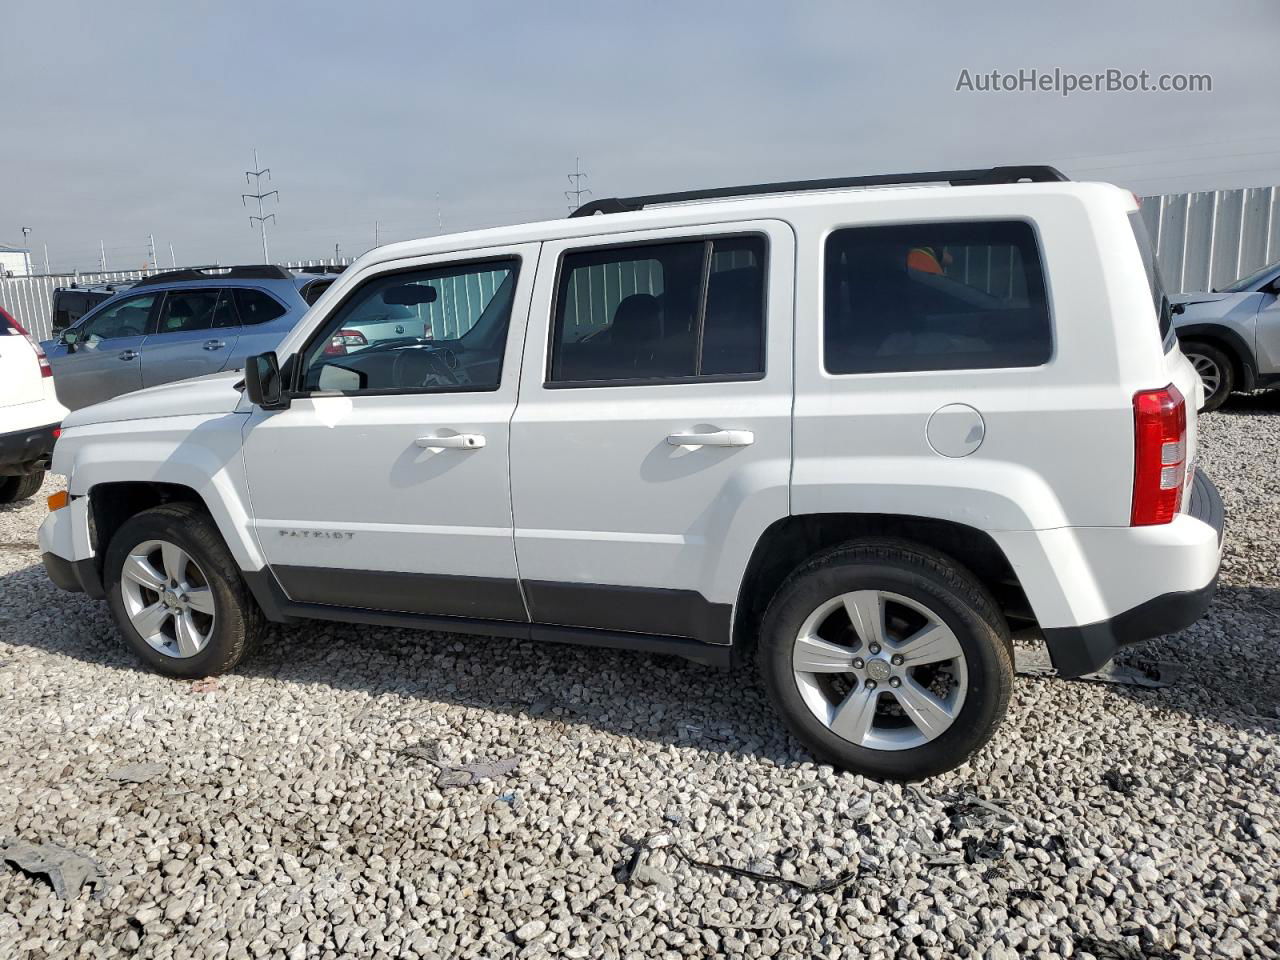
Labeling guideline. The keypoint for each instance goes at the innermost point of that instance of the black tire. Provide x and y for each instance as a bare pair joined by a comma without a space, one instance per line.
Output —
238,622
928,578
1198,351
13,489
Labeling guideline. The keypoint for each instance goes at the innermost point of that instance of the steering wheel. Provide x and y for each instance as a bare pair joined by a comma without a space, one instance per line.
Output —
440,367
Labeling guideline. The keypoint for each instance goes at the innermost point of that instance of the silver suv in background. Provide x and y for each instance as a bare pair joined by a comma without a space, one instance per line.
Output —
177,325
1232,335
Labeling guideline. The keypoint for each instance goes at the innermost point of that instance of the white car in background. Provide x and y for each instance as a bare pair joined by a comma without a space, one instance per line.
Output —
29,412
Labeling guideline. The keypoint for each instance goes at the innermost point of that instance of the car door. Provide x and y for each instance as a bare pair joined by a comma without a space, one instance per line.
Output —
385,484
651,445
104,360
1268,330
194,333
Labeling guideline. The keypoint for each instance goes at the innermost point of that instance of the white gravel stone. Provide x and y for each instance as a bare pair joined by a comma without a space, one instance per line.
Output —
294,820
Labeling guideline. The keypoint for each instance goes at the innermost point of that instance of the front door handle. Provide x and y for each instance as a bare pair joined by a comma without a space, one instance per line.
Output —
128,354
719,438
458,441
214,344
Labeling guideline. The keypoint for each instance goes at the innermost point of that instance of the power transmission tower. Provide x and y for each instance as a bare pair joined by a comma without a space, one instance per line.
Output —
258,173
575,195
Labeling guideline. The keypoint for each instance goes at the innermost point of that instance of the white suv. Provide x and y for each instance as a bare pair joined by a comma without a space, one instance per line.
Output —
862,435
29,412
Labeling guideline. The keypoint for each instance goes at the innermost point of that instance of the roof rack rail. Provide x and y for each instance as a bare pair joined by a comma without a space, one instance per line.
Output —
957,178
255,271
321,268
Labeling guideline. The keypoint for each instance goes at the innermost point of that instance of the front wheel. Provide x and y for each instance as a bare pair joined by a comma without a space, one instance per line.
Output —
176,593
1215,372
887,659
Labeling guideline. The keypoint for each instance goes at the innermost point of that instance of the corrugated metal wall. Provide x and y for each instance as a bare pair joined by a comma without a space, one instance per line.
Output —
1205,240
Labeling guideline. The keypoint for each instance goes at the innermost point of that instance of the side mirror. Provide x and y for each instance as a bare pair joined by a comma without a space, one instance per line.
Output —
263,384
71,338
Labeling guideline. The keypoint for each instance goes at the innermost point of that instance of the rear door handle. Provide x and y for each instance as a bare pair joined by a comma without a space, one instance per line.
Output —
128,354
214,344
458,441
719,438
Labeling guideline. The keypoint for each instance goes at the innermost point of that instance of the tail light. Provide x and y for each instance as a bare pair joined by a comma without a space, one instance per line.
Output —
342,339
1160,455
41,358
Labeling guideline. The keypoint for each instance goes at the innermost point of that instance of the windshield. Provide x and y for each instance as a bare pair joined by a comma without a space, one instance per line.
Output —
1247,283
1156,285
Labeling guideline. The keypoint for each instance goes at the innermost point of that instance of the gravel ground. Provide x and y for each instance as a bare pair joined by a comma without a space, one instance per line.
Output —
310,805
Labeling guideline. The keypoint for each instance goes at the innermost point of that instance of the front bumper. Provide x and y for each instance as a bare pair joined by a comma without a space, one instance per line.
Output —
26,451
67,550
1080,650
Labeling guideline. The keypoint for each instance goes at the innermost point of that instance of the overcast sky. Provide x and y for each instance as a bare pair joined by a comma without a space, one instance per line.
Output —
117,124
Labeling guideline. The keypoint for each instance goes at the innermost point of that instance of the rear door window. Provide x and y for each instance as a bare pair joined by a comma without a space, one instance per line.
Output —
672,311
204,309
934,296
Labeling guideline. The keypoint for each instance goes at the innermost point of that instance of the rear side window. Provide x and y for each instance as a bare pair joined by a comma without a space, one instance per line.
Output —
1154,283
660,312
934,296
255,306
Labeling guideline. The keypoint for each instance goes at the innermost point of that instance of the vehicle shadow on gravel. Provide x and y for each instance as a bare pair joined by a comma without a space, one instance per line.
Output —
1230,671
1248,404
1227,665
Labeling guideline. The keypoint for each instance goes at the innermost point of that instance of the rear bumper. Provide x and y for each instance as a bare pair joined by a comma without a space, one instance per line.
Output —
1084,649
26,451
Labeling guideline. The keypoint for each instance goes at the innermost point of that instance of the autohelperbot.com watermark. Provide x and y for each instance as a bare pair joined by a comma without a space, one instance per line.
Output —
1067,82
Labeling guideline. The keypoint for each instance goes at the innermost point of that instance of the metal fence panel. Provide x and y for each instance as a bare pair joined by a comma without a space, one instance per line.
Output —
1208,239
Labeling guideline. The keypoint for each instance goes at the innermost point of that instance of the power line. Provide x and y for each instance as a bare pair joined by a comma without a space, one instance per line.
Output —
574,196
258,173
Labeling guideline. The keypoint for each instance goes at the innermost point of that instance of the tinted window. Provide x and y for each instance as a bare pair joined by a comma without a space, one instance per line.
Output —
202,309
660,312
1152,268
311,292
127,318
255,306
934,296
437,329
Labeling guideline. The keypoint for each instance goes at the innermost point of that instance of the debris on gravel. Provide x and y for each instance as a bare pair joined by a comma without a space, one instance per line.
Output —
300,812
66,870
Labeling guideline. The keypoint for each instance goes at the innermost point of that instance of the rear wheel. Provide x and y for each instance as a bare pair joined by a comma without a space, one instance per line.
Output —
13,489
1214,368
887,659
176,593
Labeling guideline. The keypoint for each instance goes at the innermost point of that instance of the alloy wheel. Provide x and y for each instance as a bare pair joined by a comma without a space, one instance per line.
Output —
167,598
1207,369
881,670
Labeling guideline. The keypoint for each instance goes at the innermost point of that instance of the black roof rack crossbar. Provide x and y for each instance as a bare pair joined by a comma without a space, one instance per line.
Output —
957,178
253,271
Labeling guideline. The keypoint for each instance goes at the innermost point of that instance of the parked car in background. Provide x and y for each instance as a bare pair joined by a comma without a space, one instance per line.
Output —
177,325
29,412
1232,335
73,302
860,437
